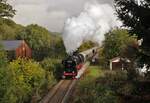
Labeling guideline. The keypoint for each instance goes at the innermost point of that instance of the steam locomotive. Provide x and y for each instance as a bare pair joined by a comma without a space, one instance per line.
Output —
73,63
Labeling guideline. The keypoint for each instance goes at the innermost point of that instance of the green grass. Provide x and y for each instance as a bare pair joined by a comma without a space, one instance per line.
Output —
94,71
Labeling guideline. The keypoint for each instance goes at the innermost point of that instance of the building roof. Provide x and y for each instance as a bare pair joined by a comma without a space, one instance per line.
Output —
117,59
11,44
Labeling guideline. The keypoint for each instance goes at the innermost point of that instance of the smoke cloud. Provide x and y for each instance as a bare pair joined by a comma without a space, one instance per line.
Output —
90,25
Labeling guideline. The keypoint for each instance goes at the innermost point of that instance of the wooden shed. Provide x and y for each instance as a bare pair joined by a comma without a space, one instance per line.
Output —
16,49
119,63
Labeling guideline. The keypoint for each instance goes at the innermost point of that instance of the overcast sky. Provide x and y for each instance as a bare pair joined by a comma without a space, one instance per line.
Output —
48,13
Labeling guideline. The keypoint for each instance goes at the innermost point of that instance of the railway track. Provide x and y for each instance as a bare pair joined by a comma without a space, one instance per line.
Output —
61,92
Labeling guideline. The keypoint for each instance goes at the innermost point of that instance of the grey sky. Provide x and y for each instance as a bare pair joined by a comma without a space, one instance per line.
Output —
48,13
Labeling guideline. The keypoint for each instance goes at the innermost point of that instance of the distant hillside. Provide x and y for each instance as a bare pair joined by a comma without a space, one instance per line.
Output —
9,29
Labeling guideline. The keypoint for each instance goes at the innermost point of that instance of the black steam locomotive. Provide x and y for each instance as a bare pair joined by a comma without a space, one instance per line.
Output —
72,64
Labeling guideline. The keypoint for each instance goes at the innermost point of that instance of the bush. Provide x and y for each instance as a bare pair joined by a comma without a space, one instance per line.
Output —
126,89
115,75
95,93
3,82
104,89
53,67
25,77
3,57
86,46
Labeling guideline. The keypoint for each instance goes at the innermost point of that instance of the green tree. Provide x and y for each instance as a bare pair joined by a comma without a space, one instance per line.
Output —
6,10
3,58
9,29
86,46
57,48
135,15
53,67
116,43
38,38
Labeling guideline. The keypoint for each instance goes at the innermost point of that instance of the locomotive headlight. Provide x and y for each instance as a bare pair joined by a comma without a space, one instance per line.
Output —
73,72
64,72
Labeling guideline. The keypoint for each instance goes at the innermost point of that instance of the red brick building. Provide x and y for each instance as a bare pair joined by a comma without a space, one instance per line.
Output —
16,48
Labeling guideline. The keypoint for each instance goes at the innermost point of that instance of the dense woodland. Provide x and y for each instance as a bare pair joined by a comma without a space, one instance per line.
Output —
27,80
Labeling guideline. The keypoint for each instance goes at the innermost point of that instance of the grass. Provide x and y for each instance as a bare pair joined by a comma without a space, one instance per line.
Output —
94,71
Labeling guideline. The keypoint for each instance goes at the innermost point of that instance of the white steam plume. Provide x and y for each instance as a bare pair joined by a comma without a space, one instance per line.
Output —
90,25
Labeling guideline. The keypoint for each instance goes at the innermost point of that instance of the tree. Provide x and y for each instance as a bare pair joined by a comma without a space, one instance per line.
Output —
9,29
86,45
135,15
38,38
6,10
57,48
3,58
116,43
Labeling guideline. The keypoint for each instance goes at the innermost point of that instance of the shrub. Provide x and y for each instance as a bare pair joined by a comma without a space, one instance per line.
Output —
95,93
105,89
126,89
115,75
3,57
53,67
24,78
3,79
3,82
